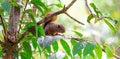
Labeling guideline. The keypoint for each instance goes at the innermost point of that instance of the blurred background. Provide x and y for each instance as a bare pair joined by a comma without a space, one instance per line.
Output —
99,32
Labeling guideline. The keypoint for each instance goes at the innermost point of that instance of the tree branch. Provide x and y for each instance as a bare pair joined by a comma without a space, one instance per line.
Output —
13,23
43,20
23,14
86,3
57,13
3,25
116,56
74,19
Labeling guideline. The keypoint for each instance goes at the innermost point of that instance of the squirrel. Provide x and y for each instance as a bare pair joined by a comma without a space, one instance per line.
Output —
52,28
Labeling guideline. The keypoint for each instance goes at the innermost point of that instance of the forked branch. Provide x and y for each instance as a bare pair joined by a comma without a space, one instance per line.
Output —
46,17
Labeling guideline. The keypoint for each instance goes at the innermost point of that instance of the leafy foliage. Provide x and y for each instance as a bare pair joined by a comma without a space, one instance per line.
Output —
78,47
47,46
88,48
89,18
98,51
78,33
6,6
55,46
110,26
99,16
66,47
27,50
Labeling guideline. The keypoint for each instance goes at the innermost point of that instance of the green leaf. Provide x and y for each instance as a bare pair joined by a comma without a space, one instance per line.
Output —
108,52
40,5
41,31
28,11
23,55
90,17
88,48
93,5
39,50
92,54
16,55
48,49
32,18
28,25
34,21
34,43
57,5
0,51
15,4
55,46
39,8
0,0
78,33
78,47
96,10
66,47
80,53
66,57
27,49
6,6
73,42
96,20
109,18
98,51
110,26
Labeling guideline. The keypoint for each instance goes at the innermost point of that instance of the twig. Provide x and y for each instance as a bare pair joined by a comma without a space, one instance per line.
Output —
116,56
57,13
46,17
3,25
23,15
72,37
74,19
86,3
25,8
25,33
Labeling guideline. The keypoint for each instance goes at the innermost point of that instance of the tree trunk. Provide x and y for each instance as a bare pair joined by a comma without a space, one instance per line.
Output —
10,38
8,51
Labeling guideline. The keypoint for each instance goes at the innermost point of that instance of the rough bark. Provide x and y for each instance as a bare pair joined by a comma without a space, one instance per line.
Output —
8,50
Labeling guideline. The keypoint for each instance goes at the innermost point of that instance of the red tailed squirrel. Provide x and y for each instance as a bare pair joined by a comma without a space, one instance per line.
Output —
52,28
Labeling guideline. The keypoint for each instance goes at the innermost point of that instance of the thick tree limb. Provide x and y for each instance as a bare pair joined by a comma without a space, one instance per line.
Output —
74,19
14,17
46,17
13,23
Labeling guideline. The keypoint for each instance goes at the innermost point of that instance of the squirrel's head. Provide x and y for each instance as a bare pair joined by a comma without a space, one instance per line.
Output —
61,28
